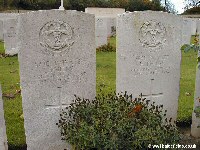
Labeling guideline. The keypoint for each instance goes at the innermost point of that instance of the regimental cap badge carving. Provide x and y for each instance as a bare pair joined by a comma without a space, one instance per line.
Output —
152,34
56,36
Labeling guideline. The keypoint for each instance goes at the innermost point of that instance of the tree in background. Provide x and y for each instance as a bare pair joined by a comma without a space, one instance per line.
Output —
170,7
192,7
191,3
130,5
139,5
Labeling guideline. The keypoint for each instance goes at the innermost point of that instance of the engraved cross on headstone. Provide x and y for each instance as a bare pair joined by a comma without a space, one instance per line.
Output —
62,6
60,105
151,95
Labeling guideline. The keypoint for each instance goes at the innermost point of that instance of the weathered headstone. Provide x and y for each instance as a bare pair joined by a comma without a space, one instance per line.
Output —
198,26
3,137
195,127
149,57
57,60
111,25
1,30
4,17
194,25
188,30
10,36
104,12
101,31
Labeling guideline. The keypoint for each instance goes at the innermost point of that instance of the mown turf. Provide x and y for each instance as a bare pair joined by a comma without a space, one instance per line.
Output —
9,80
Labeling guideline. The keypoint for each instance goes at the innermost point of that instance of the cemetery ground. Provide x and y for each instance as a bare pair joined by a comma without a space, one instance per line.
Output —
106,76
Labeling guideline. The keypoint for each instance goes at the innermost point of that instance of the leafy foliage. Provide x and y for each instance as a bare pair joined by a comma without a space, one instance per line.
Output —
115,122
197,111
193,10
80,5
106,48
195,47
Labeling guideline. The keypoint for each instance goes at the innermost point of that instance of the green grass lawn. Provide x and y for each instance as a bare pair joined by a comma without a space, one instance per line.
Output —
106,77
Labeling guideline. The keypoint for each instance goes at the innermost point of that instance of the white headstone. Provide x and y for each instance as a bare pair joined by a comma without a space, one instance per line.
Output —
3,137
1,30
101,31
194,25
10,36
198,26
187,30
104,12
111,25
57,60
149,57
195,130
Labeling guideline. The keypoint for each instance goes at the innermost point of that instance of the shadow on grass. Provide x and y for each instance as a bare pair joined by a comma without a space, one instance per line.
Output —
185,123
14,147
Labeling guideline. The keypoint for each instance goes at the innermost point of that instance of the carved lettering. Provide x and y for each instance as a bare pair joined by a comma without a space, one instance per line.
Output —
150,65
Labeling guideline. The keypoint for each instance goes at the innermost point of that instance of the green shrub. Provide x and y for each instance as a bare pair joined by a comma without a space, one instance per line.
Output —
115,122
106,48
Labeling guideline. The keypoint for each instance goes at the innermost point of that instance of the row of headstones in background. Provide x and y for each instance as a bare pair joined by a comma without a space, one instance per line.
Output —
57,60
105,23
105,27
8,32
3,137
104,12
195,127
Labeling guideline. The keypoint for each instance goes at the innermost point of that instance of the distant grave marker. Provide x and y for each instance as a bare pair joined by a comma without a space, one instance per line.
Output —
187,30
10,36
101,31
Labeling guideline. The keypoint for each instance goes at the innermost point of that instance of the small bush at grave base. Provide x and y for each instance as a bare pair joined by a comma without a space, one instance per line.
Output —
115,122
106,48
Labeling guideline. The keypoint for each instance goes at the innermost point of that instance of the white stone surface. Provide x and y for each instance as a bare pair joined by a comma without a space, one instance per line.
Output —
105,12
8,16
10,36
198,26
1,30
57,60
188,30
149,57
195,131
194,25
111,25
3,137
101,31
4,17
